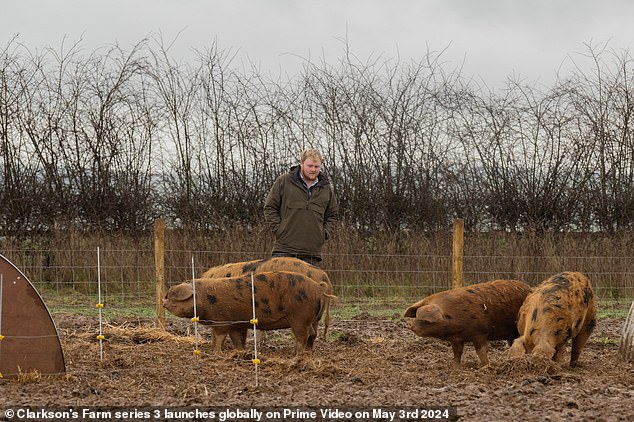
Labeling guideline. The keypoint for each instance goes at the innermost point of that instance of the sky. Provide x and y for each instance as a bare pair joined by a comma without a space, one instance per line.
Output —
491,40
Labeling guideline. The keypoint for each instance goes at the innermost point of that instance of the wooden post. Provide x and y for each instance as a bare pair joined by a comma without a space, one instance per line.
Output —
159,265
626,350
456,258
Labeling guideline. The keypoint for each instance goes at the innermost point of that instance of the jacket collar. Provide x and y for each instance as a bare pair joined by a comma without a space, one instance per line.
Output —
322,179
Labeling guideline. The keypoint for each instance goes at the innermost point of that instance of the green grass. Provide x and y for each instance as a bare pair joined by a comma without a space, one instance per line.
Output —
107,312
382,307
606,341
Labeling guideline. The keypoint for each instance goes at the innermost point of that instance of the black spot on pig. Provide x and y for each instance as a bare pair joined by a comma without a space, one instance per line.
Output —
532,331
248,285
293,279
561,280
238,282
227,275
212,299
301,296
261,277
251,267
472,291
587,295
280,308
546,292
534,317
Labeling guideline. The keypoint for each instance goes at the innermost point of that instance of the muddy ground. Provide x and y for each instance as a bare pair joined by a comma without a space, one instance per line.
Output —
366,361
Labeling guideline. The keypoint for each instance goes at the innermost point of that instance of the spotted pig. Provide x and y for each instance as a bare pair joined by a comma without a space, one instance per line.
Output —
476,313
561,308
282,300
274,264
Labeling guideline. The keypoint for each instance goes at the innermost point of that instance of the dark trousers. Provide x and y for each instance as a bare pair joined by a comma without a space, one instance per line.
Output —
312,260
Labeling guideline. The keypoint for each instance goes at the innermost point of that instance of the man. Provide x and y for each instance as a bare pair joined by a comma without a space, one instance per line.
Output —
301,210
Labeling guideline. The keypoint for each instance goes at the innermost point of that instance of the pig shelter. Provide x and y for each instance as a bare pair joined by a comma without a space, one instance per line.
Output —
29,340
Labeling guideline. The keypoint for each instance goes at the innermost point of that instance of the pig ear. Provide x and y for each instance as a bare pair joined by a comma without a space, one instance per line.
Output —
183,292
429,313
411,311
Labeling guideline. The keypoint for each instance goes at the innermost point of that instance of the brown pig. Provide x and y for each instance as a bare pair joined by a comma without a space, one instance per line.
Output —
282,300
560,308
476,313
273,264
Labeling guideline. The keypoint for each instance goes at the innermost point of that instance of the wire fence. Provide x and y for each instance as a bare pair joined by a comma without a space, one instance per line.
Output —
128,276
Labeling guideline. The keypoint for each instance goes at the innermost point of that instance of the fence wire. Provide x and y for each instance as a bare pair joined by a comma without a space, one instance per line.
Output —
68,279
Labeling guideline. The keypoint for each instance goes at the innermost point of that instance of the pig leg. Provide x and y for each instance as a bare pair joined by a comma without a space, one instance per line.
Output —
577,344
238,337
518,348
220,333
559,353
481,346
301,333
457,346
313,335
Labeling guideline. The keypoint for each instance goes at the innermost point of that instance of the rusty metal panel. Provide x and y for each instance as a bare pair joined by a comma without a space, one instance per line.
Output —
30,340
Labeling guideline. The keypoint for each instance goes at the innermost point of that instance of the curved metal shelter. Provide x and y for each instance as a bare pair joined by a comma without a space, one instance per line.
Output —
29,340
626,350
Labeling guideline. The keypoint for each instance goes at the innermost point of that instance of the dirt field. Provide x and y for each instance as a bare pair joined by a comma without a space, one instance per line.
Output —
366,362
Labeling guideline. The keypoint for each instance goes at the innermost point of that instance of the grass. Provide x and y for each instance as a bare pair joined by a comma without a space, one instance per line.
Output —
387,308
606,341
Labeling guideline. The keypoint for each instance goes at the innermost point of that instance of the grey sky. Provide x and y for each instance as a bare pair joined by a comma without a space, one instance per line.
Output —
494,38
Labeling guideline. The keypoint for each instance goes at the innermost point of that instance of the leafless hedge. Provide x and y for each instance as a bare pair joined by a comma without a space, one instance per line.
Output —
110,139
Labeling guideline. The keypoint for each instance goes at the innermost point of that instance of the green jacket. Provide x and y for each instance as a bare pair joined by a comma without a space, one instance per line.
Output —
300,220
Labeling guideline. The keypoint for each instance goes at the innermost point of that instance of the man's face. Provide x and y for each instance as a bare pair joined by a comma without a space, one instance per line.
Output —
310,169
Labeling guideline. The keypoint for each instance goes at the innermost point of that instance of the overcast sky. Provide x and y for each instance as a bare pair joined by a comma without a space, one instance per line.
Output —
530,39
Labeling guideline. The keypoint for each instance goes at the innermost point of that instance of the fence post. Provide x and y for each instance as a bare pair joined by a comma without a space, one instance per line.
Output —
159,266
456,257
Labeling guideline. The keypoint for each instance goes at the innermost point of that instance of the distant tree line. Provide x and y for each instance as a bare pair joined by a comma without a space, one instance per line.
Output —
111,139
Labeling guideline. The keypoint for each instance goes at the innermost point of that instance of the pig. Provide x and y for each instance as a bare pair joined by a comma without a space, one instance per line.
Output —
476,313
283,299
272,264
561,307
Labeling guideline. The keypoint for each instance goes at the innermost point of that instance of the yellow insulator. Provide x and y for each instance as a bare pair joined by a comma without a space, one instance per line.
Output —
0,375
100,337
195,319
255,361
197,352
99,305
254,321
1,337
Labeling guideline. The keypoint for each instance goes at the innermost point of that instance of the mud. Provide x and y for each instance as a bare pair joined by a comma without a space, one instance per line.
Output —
366,361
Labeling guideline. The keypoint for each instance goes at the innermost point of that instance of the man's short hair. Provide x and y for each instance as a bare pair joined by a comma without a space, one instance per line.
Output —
311,153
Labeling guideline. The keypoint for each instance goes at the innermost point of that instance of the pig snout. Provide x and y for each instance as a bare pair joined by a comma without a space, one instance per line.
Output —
415,325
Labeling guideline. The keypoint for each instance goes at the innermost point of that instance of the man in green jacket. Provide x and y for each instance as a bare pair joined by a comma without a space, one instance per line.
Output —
301,210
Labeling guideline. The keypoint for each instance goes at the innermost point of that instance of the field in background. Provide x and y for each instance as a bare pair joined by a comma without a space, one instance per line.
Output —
371,271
